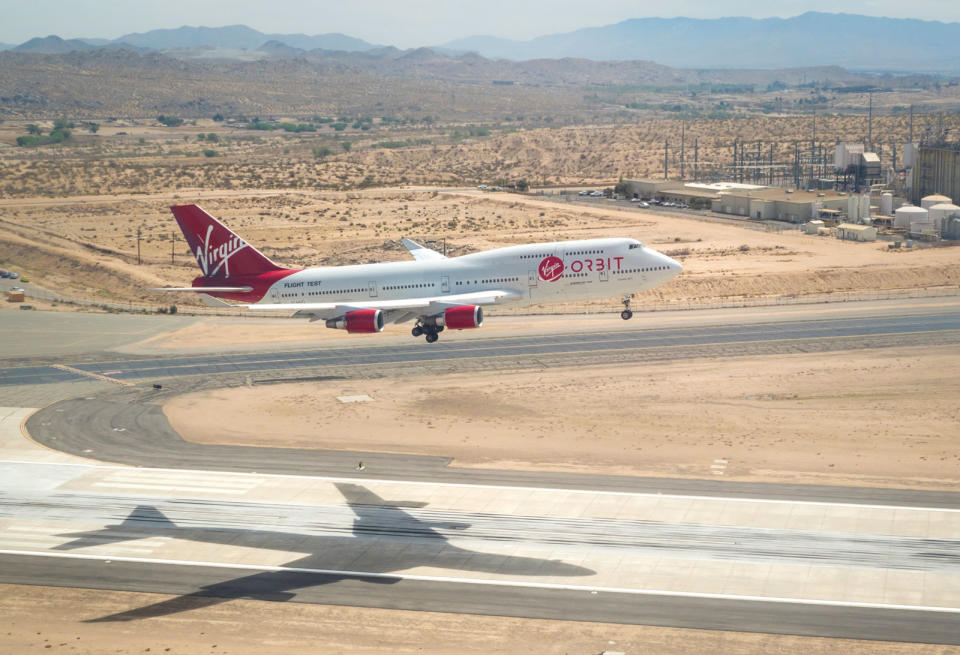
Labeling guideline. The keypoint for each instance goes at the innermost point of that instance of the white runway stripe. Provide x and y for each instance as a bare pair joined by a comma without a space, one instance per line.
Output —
168,487
495,583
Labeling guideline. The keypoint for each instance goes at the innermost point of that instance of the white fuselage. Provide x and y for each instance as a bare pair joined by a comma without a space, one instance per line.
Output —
593,268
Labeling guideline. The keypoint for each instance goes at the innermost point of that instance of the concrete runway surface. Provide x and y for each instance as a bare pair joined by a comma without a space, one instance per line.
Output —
413,533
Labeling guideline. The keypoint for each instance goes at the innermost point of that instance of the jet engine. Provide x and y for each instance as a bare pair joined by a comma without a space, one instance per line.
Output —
363,321
464,317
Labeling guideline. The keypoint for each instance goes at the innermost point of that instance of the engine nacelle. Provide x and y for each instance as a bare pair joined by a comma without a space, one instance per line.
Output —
362,321
464,317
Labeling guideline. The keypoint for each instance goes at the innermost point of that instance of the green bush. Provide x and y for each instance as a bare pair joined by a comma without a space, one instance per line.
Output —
209,153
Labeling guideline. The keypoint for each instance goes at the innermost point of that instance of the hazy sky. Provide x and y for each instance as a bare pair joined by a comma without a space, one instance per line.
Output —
408,23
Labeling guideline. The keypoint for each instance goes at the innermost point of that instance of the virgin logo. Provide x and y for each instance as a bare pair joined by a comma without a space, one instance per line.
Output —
212,257
551,269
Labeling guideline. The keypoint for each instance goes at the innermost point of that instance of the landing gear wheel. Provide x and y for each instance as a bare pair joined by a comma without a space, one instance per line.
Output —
417,331
626,314
432,337
439,328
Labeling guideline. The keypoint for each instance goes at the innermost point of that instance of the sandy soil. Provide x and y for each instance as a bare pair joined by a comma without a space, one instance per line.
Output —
87,248
46,619
874,418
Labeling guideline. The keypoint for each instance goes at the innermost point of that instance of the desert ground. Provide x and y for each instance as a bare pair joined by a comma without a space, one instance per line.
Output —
864,418
87,247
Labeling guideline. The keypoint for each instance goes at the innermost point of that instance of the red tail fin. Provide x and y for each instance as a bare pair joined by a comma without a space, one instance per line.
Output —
219,252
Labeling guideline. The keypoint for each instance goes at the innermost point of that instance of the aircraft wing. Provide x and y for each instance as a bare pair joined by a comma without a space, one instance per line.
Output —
397,310
205,289
420,253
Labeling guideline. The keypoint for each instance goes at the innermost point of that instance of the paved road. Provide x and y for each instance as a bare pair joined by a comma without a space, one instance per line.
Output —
656,610
626,345
779,567
124,424
127,426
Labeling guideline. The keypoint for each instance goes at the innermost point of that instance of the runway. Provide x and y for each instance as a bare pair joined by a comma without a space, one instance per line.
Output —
778,567
214,523
634,344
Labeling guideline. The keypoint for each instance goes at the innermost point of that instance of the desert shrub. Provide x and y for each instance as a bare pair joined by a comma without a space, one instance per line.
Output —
209,152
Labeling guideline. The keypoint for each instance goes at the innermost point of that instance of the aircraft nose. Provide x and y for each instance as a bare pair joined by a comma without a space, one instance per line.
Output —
673,265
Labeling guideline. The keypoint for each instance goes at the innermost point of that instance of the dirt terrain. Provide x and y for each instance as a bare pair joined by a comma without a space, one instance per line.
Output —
863,418
87,247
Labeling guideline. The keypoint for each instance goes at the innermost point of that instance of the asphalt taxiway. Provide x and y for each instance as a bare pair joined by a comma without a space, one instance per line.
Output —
212,523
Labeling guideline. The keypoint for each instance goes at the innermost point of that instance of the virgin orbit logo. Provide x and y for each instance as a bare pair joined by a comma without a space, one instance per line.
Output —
551,269
212,258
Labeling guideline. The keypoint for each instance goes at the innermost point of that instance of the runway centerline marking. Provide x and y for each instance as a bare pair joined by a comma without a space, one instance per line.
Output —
483,581
465,485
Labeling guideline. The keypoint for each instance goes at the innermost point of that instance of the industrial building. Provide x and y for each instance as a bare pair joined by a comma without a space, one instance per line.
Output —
851,232
783,204
936,171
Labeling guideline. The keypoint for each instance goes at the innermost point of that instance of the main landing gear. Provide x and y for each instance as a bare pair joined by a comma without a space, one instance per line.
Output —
429,332
627,313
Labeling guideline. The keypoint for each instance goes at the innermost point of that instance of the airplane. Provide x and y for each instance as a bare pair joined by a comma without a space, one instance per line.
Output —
385,524
434,291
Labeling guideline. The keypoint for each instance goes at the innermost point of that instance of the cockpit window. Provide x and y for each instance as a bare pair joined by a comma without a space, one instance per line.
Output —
636,245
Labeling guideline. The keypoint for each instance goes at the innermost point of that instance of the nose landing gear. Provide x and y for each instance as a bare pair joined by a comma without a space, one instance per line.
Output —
627,313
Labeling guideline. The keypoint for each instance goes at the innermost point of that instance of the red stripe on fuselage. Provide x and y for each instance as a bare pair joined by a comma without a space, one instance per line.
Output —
261,284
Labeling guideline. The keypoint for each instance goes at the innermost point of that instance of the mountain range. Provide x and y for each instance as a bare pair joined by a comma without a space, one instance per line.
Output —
809,40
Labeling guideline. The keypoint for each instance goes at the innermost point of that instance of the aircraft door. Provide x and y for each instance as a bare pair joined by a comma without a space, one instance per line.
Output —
532,278
372,285
444,284
604,275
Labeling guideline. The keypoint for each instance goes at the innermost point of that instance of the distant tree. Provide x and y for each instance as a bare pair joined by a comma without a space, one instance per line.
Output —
346,145
218,118
170,121
522,185
321,152
91,127
201,137
62,124
34,129
212,138
209,153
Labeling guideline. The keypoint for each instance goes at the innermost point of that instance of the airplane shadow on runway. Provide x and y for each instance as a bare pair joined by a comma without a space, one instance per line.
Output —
410,543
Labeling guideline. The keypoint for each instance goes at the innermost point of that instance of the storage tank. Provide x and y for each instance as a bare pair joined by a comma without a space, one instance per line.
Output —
942,211
908,214
935,199
921,227
865,208
886,203
853,208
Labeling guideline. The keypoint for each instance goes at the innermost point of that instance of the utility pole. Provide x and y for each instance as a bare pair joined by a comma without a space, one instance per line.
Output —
771,165
666,157
173,238
683,137
813,147
757,173
138,244
696,159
